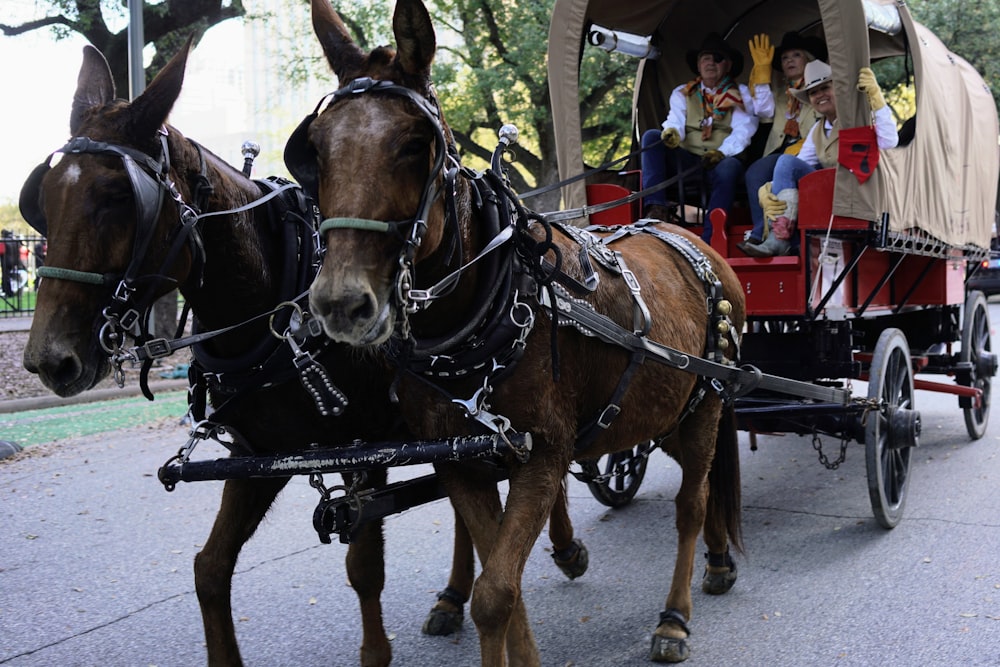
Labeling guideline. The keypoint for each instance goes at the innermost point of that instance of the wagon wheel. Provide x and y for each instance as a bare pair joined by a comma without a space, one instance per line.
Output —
891,431
616,477
976,351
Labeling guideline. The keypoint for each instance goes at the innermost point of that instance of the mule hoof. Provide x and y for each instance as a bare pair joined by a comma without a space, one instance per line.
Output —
573,560
669,649
441,623
720,574
719,582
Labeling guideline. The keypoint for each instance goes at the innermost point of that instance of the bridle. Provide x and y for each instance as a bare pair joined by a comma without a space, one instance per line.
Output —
300,160
132,292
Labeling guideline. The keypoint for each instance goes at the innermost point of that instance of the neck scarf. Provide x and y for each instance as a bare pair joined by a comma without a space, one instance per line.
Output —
794,107
714,105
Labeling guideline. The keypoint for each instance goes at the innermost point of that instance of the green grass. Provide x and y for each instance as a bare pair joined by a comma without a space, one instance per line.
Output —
34,427
22,302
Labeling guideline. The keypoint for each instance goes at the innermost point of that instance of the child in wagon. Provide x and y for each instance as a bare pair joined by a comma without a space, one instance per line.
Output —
780,198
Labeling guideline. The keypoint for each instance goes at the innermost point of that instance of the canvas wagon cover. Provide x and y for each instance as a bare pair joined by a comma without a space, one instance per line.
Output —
943,183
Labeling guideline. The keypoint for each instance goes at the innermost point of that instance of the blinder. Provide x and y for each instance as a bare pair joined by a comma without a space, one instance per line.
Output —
140,169
300,156
30,200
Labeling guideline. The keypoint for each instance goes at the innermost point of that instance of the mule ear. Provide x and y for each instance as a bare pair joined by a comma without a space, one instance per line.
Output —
95,86
341,51
415,41
150,110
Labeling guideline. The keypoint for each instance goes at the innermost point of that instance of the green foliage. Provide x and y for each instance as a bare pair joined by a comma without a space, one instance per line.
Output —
10,218
968,28
491,69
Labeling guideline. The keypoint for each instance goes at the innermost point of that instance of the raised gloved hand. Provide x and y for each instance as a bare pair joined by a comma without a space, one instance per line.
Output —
671,137
712,158
762,53
868,84
773,207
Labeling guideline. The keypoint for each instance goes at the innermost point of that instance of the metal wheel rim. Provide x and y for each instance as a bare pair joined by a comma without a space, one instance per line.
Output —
890,379
975,341
625,471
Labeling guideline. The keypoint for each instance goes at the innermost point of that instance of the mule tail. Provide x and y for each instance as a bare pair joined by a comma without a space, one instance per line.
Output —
725,493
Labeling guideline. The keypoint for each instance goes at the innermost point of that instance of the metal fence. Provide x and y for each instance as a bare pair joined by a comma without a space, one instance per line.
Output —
20,258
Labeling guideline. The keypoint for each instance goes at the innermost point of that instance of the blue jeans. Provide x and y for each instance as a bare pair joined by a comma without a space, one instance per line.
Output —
759,173
788,171
660,163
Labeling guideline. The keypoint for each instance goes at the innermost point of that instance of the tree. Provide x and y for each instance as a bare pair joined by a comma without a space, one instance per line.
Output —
490,70
969,29
166,25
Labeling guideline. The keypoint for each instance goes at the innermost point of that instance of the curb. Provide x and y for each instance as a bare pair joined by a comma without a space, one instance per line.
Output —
52,401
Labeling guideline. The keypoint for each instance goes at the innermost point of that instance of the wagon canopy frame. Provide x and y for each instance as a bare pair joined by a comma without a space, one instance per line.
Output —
942,184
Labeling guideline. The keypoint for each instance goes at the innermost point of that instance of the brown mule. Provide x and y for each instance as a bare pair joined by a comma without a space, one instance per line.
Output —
403,226
95,206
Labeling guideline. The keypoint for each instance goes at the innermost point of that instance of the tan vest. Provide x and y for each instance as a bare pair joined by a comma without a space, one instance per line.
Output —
826,146
807,118
721,128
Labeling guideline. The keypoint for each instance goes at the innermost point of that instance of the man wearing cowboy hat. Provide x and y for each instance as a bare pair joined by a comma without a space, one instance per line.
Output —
780,198
709,123
793,117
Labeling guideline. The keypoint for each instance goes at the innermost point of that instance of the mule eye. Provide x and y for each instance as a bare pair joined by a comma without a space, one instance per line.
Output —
415,148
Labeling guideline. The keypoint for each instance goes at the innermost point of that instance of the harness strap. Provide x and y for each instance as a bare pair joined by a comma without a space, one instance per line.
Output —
587,436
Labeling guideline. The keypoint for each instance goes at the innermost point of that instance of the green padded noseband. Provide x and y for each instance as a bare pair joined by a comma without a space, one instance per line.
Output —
355,223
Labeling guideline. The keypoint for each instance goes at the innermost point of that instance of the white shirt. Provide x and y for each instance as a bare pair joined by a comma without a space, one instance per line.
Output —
744,123
885,132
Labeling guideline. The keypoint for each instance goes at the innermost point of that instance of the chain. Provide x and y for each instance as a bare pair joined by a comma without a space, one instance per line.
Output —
818,446
352,493
203,430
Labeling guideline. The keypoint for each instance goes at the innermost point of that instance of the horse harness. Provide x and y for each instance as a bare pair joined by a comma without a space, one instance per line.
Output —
294,343
492,340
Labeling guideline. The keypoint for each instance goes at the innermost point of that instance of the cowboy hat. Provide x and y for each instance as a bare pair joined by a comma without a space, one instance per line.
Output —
714,43
817,73
792,40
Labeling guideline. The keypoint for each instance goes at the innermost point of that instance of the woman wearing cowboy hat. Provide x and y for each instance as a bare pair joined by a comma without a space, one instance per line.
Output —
709,122
789,117
819,150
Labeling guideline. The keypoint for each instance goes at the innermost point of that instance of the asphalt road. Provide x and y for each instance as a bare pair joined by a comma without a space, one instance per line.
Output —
96,565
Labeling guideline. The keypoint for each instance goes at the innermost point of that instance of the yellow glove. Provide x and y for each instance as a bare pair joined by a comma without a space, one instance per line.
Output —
773,207
868,84
762,53
671,137
712,158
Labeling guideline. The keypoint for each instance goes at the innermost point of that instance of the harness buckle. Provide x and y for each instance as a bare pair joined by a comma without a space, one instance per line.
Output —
421,296
157,348
608,415
129,320
631,281
122,292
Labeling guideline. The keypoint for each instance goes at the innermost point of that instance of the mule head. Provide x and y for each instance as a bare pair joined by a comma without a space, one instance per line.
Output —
373,153
90,206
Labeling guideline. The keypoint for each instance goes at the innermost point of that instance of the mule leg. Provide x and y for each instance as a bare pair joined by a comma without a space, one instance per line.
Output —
244,504
365,565
446,615
722,521
569,553
693,448
497,606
